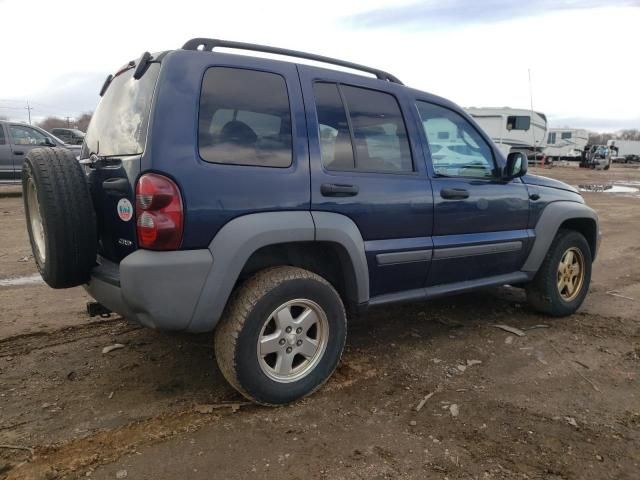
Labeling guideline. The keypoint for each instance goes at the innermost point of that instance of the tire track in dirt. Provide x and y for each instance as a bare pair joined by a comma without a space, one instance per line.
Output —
60,461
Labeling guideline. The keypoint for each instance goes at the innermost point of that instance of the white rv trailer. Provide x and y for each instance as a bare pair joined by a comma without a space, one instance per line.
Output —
512,128
628,150
566,143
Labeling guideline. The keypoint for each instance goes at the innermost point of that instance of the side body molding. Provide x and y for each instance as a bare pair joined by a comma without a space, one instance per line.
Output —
333,227
552,217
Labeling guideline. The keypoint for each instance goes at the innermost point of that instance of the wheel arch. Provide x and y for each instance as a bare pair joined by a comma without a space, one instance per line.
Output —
562,214
257,240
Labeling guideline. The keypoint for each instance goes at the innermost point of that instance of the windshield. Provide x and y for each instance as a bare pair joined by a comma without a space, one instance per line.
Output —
119,124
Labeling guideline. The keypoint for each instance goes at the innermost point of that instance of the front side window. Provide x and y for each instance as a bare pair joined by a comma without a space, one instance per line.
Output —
245,118
361,129
518,122
457,149
565,136
26,136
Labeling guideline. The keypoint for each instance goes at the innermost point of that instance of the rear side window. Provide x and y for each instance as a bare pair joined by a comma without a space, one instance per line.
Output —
361,129
245,118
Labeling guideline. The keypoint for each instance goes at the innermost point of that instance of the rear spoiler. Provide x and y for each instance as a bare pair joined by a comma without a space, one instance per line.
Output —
141,65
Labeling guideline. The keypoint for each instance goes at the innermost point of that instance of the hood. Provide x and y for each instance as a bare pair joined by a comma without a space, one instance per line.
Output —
547,182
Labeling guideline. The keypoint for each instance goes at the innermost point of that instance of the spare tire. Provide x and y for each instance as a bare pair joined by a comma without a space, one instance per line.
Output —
60,217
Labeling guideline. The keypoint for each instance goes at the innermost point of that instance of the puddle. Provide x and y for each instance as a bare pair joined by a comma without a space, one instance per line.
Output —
17,281
608,188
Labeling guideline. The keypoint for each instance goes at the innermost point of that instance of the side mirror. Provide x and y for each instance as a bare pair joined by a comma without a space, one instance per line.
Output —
48,142
516,166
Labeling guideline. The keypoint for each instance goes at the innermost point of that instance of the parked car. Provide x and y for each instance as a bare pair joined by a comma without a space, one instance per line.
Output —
16,140
268,200
72,136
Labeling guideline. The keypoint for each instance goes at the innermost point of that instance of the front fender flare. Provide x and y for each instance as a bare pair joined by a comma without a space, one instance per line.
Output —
554,215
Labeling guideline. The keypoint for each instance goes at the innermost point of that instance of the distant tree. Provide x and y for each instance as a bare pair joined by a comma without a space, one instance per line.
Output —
596,138
52,122
629,134
82,122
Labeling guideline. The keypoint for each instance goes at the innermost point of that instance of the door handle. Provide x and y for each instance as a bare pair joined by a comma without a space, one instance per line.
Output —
18,152
338,190
534,196
454,193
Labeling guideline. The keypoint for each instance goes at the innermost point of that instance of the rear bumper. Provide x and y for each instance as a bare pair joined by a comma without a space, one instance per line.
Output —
156,289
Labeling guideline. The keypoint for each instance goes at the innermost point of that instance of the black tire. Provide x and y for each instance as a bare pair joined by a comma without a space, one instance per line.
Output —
543,293
67,216
250,307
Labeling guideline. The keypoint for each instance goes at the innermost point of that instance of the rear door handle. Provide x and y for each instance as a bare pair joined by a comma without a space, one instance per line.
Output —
18,152
338,190
454,193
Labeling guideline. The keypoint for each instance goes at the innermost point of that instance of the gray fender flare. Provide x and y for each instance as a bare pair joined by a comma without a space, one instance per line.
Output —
241,237
336,228
548,224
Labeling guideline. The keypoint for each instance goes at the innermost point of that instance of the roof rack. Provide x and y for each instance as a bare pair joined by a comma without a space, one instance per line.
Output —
208,44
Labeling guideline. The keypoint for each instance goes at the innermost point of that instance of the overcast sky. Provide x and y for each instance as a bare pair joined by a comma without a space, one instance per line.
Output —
583,54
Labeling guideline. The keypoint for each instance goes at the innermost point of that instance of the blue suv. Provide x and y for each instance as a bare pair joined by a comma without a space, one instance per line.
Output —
268,200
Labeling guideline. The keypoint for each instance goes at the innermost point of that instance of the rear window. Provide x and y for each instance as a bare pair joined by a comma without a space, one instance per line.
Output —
119,124
244,118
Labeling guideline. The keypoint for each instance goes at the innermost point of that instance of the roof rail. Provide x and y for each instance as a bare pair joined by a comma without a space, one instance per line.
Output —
208,44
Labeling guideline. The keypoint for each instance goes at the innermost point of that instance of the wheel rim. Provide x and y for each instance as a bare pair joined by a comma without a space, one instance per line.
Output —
35,220
570,274
292,340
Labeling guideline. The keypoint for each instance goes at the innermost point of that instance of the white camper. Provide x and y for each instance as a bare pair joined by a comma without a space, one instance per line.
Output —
513,128
566,143
627,150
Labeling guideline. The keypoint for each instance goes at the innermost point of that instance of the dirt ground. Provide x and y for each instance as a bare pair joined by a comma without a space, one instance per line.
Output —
561,402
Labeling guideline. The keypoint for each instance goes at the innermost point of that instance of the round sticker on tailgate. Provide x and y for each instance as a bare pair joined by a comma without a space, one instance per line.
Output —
125,210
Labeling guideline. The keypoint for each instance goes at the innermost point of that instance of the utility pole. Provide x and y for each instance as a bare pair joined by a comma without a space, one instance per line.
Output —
29,108
68,124
533,132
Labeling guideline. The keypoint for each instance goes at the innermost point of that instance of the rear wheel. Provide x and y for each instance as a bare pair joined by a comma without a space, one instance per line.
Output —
281,336
562,282
60,217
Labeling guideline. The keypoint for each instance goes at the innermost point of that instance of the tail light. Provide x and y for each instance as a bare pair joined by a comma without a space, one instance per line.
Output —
159,214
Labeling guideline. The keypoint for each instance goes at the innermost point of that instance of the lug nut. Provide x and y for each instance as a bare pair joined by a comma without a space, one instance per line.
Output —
288,329
289,349
281,342
299,330
299,342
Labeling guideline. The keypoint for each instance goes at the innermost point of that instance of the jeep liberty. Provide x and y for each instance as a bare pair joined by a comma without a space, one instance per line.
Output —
265,200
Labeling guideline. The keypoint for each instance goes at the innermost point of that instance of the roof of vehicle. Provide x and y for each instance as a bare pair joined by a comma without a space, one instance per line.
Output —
493,111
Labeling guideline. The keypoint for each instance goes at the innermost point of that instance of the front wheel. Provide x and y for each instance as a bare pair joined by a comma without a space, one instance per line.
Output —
281,336
562,282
